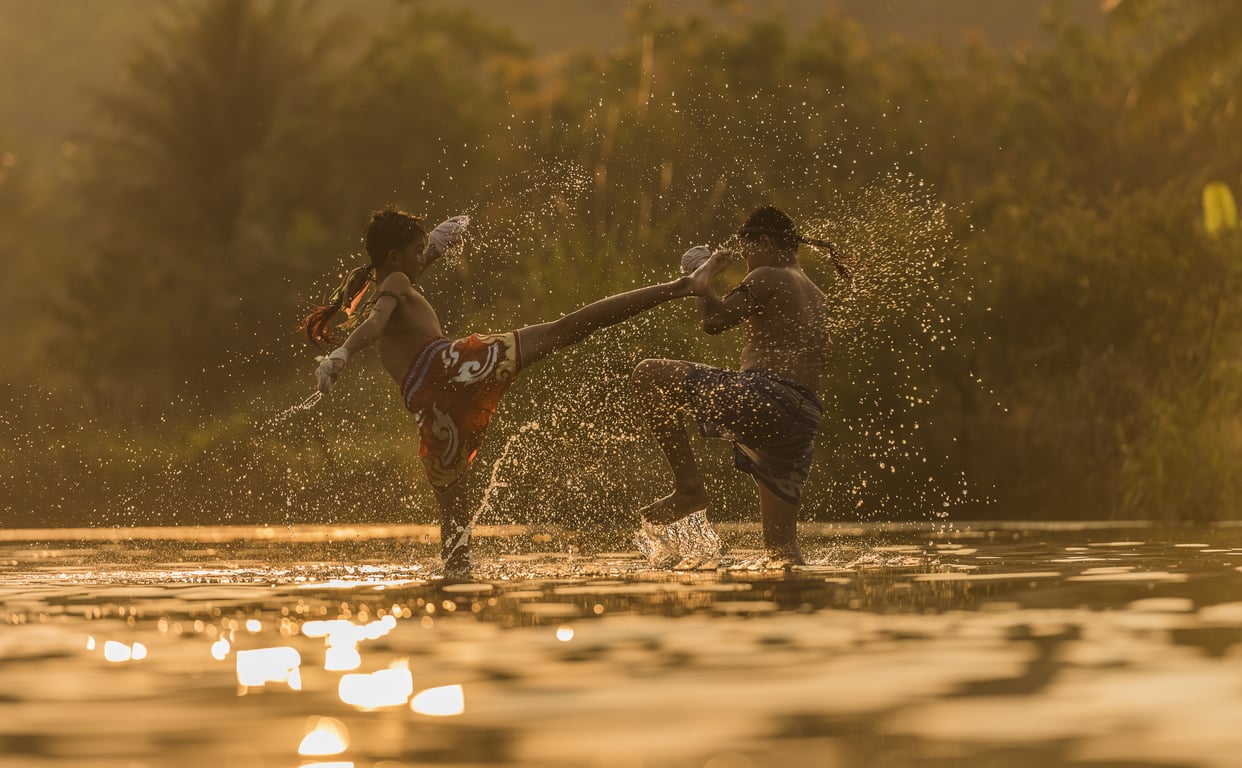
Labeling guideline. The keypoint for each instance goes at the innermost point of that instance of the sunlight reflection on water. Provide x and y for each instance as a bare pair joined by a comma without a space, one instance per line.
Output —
996,645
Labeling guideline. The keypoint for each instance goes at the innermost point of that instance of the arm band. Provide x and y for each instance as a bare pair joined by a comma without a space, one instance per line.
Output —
748,290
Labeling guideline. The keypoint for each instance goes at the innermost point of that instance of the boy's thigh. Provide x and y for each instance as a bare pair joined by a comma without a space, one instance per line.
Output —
736,404
670,382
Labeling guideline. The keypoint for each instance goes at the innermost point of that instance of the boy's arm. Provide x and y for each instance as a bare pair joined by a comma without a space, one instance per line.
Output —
390,291
720,314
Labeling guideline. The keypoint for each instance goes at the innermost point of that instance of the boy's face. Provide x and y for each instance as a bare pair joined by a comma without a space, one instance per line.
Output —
757,251
410,258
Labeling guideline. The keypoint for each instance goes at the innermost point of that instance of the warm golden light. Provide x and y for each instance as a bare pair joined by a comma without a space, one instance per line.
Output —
220,649
324,736
253,626
117,652
269,665
90,642
390,687
139,652
342,658
565,633
322,628
342,637
341,631
444,701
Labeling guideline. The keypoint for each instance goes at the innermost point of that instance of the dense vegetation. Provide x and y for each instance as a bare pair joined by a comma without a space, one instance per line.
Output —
1045,324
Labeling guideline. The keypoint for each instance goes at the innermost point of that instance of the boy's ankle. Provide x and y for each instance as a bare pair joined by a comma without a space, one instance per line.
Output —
692,490
458,563
789,553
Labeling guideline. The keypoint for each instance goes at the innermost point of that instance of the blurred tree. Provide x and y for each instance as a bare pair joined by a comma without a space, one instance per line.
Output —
166,296
1035,300
1181,457
19,202
1198,51
1188,79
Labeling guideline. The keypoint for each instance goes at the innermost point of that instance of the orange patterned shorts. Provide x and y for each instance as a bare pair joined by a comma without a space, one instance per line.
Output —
453,388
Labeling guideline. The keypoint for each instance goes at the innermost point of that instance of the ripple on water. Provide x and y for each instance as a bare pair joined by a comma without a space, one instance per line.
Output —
1222,613
1127,575
468,588
1163,605
550,610
1020,576
930,652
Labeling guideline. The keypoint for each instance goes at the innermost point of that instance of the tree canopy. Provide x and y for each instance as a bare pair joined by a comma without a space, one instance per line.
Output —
1045,321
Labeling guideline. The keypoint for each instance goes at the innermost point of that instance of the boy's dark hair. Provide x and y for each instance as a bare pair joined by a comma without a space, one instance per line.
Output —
771,221
391,228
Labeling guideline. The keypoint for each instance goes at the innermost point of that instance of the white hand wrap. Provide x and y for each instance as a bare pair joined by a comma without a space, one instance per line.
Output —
695,258
330,366
448,234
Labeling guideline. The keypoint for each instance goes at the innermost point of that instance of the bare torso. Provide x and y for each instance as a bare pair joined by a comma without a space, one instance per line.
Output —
789,335
413,323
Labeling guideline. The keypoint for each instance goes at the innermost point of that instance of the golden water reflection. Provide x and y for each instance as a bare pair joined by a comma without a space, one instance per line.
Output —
1036,648
441,701
258,667
117,652
324,736
391,687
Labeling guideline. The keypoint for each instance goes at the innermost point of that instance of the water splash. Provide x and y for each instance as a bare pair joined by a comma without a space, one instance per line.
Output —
897,340
306,405
690,543
485,504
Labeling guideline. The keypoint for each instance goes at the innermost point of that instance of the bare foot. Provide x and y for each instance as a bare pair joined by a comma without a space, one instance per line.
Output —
674,507
700,280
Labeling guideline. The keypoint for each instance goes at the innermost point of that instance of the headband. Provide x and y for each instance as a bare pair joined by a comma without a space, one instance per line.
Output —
792,234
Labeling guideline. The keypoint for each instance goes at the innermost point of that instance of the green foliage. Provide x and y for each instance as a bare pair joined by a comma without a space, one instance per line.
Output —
1220,212
1043,317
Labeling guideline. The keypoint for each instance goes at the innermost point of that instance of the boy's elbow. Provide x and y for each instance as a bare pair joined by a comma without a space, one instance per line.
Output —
369,331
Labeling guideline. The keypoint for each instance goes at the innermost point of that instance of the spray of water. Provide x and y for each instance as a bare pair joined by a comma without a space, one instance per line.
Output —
308,404
494,483
895,328
591,465
896,333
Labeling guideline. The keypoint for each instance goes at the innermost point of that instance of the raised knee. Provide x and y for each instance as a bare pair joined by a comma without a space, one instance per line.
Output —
647,374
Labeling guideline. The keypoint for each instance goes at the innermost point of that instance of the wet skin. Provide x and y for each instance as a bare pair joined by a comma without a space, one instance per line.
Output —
783,316
402,322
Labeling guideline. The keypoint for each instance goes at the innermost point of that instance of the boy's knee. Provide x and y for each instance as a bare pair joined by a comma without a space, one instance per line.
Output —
648,374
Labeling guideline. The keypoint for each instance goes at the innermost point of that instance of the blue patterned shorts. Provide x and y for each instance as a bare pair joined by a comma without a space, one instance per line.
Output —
770,420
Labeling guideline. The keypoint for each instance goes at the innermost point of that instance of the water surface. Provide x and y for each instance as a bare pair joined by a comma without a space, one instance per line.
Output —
899,645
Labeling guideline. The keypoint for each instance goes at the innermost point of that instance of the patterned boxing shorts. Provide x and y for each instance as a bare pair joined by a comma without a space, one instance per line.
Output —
453,388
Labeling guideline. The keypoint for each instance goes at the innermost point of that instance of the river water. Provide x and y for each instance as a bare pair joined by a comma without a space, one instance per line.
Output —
900,645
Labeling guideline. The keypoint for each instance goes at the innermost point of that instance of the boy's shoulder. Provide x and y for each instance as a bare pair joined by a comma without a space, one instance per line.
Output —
765,274
776,276
397,282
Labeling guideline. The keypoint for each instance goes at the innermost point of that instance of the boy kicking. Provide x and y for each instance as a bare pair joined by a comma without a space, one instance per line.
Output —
451,386
769,409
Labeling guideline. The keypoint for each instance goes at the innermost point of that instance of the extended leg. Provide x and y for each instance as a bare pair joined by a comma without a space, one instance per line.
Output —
538,341
780,526
662,387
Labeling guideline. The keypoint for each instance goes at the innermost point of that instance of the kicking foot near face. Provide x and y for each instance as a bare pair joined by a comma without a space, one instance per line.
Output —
700,281
694,258
674,507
